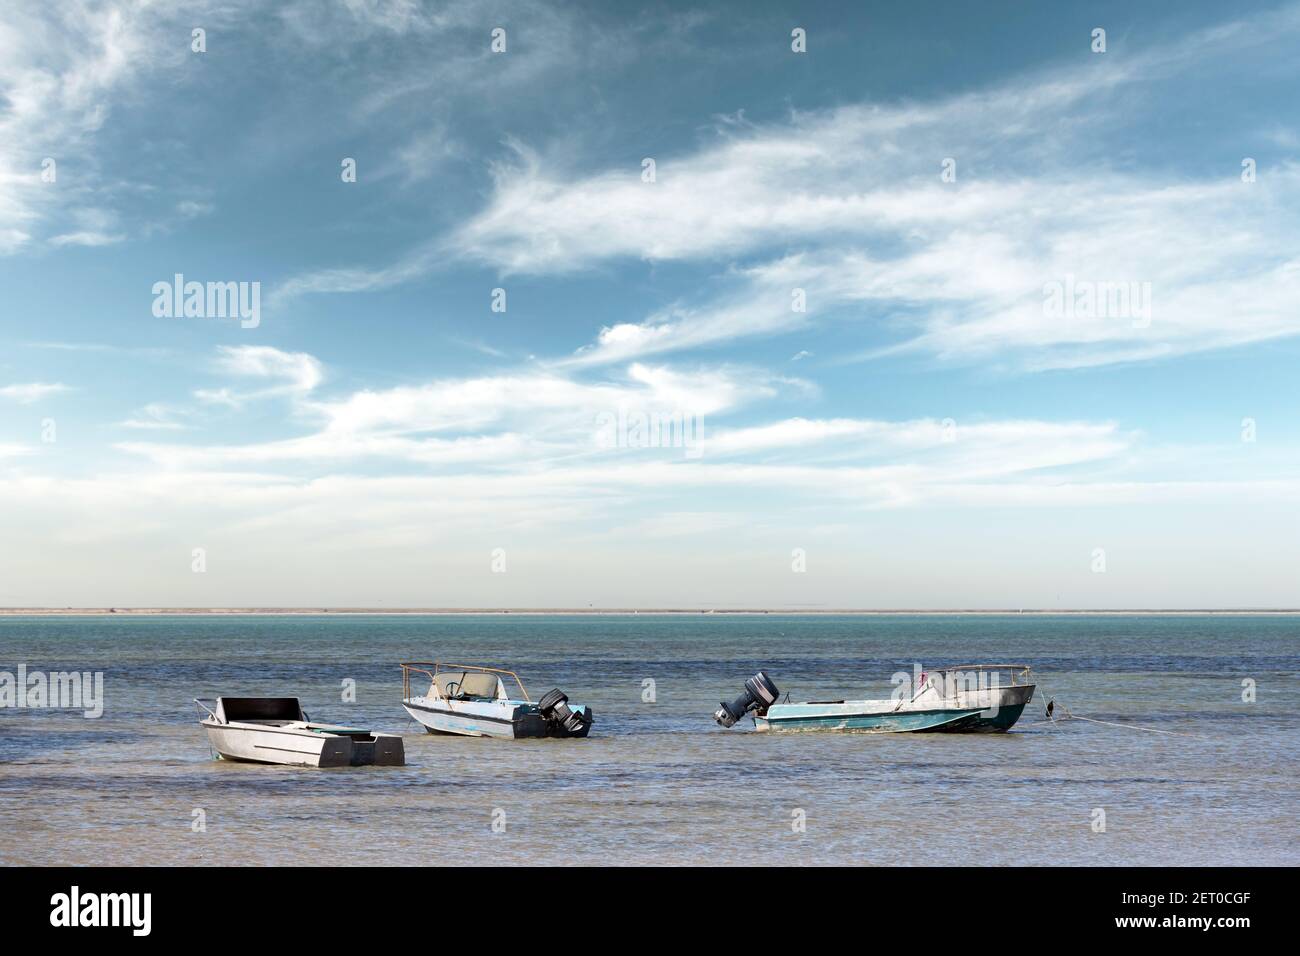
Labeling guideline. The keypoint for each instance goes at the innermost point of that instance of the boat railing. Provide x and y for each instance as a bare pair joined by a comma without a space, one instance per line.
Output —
421,667
1021,674
203,705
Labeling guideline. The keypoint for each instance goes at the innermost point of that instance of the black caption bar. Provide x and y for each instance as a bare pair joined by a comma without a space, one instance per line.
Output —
140,906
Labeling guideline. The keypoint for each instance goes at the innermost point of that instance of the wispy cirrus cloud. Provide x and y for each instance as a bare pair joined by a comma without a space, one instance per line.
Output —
100,347
69,71
156,416
853,200
61,65
863,171
31,392
959,267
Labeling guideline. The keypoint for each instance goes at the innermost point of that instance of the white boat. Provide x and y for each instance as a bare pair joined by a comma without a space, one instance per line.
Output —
277,730
475,701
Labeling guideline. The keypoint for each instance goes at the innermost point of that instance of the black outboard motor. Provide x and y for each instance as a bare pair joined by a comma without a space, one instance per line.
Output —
760,693
554,708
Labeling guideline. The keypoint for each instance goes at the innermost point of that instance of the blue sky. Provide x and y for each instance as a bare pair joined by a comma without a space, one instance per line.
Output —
925,432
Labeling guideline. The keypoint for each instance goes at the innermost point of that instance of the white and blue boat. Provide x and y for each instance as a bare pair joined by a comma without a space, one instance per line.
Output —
471,700
969,698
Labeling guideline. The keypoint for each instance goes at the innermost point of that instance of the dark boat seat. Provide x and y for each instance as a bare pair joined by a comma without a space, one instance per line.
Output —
260,708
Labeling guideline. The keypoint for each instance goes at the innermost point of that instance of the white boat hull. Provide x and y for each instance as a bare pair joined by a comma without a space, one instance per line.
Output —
502,719
300,747
276,745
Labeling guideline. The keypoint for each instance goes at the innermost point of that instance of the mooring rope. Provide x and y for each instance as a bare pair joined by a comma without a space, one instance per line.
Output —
1070,715
1150,730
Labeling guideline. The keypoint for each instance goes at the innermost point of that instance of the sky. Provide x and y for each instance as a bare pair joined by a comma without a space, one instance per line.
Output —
602,305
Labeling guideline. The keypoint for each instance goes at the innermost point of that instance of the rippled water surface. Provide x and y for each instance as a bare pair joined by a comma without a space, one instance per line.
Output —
659,782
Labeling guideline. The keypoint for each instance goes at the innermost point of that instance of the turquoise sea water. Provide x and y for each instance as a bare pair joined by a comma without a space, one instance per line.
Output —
658,782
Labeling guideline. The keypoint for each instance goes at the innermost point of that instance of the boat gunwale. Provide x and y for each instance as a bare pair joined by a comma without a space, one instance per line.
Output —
464,715
293,732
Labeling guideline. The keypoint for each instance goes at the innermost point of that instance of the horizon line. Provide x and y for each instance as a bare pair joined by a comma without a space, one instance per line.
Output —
593,611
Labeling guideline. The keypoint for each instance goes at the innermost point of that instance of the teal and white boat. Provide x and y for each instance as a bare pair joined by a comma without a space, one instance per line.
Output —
973,697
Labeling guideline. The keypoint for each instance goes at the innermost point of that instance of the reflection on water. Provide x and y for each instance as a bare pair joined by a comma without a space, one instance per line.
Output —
659,782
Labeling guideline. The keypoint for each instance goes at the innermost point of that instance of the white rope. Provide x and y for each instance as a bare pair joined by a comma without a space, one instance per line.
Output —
1150,730
1069,715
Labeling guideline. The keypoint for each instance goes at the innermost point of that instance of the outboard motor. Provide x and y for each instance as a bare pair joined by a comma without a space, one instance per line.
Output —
760,693
554,708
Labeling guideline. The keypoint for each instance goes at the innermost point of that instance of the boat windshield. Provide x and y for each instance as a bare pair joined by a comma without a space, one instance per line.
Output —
463,681
467,684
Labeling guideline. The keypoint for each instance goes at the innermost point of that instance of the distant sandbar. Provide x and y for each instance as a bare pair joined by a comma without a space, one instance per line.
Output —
301,611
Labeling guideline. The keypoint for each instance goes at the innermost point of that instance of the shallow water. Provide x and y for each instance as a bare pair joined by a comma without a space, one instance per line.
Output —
659,782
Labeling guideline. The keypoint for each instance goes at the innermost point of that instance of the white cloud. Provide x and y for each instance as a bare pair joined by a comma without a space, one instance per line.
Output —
87,239
155,417
218,396
358,279
837,173
503,478
99,347
67,69
525,416
32,392
302,372
536,433
296,373
425,540
423,155
1204,256
59,66
322,25
541,396
958,267
453,467
193,208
